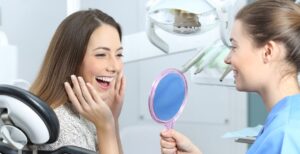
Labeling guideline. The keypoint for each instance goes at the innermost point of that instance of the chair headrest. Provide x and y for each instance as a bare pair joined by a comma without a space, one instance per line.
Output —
20,104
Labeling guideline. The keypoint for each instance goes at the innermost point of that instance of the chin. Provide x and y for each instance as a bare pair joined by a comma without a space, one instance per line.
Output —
239,87
243,88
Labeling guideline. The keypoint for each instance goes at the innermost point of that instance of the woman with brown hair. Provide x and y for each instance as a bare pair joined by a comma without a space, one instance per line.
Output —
265,58
81,78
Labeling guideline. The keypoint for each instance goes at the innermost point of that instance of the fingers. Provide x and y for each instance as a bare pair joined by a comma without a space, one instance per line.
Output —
78,92
172,135
168,133
120,84
182,143
167,142
167,146
72,97
122,87
168,151
94,93
79,95
85,92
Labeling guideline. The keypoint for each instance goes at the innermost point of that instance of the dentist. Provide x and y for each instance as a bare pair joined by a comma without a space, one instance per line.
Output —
265,58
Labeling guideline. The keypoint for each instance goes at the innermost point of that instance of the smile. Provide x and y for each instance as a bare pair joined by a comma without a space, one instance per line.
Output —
104,81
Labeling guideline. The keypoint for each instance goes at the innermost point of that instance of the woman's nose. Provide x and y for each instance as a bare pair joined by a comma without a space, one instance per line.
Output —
114,65
227,59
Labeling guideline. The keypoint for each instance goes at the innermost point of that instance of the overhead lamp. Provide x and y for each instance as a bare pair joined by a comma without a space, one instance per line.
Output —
184,18
178,17
188,18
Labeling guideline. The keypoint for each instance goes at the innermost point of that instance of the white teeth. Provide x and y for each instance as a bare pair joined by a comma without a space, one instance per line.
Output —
104,78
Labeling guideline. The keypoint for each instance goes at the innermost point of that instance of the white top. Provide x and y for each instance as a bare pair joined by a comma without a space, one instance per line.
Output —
74,130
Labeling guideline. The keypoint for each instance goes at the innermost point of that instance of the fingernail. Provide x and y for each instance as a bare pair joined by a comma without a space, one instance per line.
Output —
73,76
80,78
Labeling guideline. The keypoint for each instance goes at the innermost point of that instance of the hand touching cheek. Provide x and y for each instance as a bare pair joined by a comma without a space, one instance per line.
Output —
89,104
116,97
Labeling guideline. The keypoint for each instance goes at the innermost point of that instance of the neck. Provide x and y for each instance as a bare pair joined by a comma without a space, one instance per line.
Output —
275,91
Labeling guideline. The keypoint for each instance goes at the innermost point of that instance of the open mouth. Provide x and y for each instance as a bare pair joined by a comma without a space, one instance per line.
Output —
104,81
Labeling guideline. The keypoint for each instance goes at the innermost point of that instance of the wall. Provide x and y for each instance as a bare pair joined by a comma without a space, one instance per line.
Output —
29,25
257,112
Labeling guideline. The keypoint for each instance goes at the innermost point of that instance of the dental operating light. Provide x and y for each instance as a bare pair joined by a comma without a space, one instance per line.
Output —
185,18
189,18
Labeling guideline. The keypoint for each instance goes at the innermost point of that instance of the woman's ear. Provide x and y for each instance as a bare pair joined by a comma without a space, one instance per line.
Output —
270,51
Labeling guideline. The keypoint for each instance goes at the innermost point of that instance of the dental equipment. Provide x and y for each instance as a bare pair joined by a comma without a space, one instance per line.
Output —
226,72
179,17
210,56
200,55
188,18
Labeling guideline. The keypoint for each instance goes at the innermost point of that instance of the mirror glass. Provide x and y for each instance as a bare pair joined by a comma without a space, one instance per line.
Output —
168,97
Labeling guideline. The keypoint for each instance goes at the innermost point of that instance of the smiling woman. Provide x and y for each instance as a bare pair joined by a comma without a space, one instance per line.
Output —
265,58
102,62
82,79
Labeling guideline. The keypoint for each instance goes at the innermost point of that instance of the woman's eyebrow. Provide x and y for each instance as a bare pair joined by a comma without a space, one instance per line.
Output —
102,48
107,49
121,48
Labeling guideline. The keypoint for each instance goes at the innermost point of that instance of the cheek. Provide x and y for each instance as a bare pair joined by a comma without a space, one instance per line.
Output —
90,72
120,64
250,79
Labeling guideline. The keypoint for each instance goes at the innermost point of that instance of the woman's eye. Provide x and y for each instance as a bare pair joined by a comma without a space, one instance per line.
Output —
100,55
120,55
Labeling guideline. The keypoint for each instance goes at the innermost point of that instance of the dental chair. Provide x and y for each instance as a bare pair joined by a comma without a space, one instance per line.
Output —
26,122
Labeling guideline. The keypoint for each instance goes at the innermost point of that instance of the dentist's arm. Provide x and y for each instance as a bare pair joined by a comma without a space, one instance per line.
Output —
173,142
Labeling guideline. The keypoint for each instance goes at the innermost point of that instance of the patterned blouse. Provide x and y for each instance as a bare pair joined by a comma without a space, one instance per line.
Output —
74,130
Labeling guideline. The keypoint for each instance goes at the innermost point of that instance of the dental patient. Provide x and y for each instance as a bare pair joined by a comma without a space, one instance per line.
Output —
81,78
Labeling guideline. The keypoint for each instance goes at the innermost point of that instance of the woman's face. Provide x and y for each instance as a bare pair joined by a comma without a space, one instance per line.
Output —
102,63
245,60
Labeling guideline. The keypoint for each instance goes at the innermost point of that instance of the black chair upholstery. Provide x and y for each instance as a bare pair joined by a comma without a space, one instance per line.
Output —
44,112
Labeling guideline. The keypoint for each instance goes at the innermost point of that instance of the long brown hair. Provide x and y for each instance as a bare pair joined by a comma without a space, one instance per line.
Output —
277,20
66,52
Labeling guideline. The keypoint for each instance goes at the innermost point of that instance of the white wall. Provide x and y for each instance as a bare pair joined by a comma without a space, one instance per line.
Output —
29,25
130,14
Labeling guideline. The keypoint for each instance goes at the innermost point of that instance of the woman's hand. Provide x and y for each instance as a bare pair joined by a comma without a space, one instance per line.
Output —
117,97
89,104
173,142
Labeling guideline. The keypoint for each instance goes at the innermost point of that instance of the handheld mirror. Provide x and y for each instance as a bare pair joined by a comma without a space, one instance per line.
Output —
168,97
